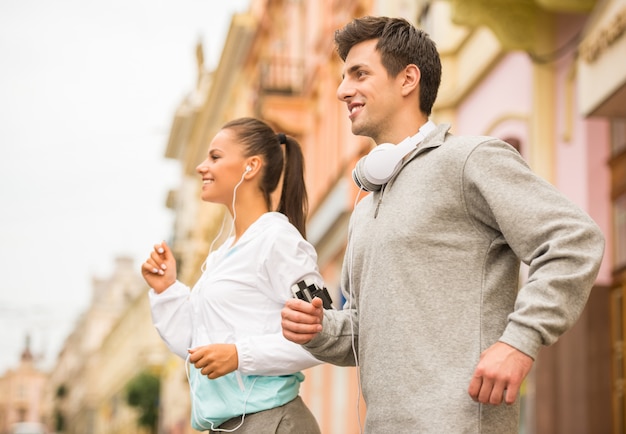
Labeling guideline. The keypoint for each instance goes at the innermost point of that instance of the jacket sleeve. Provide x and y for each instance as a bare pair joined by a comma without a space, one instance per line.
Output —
171,317
562,246
272,354
286,260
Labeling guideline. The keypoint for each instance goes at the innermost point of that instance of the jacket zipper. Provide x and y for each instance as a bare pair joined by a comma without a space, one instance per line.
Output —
380,200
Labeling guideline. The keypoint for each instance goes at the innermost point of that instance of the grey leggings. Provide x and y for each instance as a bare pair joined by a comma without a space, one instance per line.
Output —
291,418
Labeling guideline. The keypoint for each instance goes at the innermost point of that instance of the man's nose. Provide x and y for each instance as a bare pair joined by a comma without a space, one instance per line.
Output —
344,91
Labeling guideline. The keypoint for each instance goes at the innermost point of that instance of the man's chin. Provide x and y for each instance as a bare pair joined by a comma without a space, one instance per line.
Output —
360,127
360,131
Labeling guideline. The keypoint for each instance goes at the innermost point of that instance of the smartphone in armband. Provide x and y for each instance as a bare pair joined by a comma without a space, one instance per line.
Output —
307,291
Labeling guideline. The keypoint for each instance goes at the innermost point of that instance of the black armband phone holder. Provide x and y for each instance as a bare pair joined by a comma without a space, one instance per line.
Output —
307,291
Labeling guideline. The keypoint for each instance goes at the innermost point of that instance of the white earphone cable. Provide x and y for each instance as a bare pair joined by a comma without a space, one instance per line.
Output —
232,226
199,419
350,296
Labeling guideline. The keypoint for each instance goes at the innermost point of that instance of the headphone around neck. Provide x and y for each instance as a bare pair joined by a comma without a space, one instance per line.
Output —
385,160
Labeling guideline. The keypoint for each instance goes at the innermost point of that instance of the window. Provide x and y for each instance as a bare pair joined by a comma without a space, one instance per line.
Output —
618,135
619,229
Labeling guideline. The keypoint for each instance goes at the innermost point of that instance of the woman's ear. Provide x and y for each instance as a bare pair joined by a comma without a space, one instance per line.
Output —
252,166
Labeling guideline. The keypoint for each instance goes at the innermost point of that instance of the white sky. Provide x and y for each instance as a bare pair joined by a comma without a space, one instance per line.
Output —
88,90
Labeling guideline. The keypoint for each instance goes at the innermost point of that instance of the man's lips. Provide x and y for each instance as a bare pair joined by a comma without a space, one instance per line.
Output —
354,109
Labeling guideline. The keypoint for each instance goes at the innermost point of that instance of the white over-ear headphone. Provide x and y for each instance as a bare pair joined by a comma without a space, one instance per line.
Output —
383,162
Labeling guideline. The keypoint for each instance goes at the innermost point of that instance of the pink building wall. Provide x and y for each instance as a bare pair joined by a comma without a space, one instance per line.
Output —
505,92
582,146
597,139
572,176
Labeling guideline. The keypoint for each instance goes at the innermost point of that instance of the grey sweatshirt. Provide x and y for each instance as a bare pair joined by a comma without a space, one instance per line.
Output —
431,275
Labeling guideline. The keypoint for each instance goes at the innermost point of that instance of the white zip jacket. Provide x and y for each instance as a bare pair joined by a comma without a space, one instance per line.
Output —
239,297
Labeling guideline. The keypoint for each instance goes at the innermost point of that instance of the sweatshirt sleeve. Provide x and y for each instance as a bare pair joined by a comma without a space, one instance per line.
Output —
561,244
338,342
171,317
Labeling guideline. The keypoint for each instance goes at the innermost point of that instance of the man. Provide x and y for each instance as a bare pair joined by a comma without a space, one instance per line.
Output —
433,317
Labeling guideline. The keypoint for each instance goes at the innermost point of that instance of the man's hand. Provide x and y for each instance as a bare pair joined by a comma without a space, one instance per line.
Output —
215,360
499,374
302,321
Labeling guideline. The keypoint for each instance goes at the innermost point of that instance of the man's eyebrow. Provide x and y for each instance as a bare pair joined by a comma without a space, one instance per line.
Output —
353,69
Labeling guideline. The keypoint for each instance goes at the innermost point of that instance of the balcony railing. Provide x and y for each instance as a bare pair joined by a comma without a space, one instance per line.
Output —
281,75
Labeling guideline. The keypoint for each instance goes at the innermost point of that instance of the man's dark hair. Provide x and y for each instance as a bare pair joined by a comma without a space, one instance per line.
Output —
400,44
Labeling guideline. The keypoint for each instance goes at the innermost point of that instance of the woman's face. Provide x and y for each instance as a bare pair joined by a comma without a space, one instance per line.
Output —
223,168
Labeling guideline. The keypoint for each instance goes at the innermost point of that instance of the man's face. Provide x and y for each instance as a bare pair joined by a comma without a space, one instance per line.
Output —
371,95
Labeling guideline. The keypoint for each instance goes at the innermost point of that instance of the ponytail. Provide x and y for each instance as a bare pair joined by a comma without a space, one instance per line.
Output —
293,199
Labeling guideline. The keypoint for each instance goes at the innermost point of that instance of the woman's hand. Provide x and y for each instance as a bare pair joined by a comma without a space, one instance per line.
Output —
215,360
159,270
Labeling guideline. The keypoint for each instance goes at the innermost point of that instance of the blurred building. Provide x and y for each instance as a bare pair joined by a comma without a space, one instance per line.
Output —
113,341
21,392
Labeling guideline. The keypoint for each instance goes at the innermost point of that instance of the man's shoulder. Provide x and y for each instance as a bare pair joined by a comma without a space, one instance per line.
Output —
469,140
443,135
467,145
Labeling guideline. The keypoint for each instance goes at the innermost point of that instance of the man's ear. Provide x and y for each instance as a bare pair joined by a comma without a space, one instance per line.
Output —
410,79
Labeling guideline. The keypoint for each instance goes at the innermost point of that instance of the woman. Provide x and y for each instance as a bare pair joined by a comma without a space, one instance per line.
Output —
243,374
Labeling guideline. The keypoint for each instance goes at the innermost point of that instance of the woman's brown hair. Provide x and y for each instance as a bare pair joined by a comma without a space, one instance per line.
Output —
258,138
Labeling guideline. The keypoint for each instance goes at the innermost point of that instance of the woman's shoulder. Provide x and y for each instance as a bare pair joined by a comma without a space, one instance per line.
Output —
278,238
276,228
276,222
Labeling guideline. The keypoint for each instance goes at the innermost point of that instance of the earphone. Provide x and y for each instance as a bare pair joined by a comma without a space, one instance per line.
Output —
232,225
385,160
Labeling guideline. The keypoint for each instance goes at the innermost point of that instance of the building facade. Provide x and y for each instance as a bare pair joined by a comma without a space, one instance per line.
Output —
112,343
601,90
21,393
